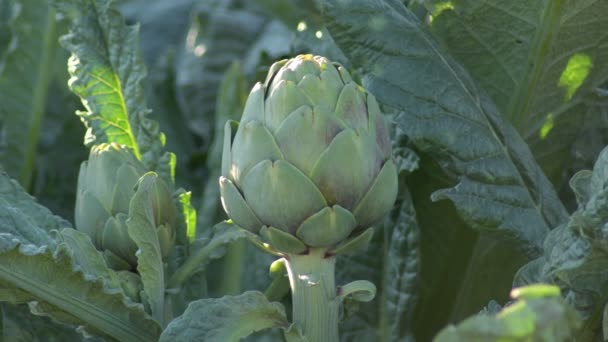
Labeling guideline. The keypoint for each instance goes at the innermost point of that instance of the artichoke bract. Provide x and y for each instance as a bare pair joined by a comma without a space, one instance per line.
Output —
106,184
311,157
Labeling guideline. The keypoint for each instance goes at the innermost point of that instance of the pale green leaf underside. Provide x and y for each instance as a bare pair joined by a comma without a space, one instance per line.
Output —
498,187
25,70
229,318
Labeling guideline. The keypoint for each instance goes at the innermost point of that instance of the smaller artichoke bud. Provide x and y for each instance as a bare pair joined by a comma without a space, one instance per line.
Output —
106,185
311,158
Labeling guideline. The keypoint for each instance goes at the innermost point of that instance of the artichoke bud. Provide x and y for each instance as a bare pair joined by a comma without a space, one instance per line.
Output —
107,183
310,160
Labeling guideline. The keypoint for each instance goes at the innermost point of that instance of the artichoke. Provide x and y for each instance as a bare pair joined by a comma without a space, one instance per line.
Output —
106,185
310,159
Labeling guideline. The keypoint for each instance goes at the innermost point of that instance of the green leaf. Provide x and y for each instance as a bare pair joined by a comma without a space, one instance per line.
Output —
229,318
541,62
495,183
23,218
225,233
107,71
395,273
401,265
89,259
27,47
576,253
538,316
142,229
533,58
217,35
229,106
65,277
18,324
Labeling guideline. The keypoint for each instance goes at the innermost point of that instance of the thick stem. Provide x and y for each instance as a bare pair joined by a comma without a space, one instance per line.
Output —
315,306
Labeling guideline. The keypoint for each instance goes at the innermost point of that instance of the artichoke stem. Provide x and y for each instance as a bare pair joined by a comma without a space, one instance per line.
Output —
315,306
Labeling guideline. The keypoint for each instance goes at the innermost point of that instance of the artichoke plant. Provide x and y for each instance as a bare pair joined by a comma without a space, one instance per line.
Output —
311,156
308,167
106,185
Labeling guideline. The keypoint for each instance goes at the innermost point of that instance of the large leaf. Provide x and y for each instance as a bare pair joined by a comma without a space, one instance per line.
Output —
107,70
496,185
26,66
576,253
65,278
23,218
533,57
18,324
538,314
540,61
229,318
229,106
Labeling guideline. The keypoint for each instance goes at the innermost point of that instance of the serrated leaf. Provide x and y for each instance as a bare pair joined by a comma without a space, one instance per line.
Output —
23,218
495,183
388,317
540,61
576,253
36,268
229,106
543,316
52,279
107,71
564,39
89,259
26,66
218,34
229,318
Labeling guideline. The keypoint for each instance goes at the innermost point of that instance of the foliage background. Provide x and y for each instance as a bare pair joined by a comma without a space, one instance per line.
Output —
537,72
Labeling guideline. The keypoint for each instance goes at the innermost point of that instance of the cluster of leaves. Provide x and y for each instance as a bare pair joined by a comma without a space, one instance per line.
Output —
495,107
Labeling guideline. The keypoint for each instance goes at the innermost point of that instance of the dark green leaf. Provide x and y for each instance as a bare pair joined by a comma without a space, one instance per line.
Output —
495,183
66,278
27,50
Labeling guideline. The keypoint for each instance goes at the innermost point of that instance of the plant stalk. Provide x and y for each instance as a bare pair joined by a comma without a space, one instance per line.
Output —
313,288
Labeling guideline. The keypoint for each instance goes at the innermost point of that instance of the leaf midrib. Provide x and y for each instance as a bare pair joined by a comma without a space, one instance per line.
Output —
113,326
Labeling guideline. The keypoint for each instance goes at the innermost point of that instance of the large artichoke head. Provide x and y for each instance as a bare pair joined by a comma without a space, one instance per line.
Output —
311,156
107,183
